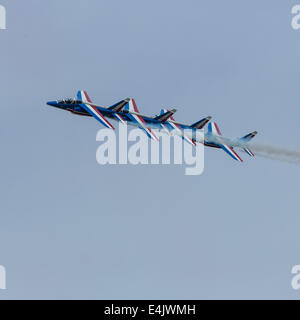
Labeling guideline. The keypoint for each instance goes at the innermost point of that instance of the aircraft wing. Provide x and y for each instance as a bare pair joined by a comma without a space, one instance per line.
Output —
142,125
164,127
164,116
133,114
118,107
229,150
93,111
184,137
189,140
120,118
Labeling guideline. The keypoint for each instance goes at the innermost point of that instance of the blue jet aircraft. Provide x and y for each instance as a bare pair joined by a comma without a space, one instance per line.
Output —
126,111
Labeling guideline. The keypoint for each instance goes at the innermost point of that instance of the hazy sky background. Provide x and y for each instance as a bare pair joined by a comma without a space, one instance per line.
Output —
70,228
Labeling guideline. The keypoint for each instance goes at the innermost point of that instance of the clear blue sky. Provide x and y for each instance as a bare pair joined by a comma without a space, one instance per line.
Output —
70,228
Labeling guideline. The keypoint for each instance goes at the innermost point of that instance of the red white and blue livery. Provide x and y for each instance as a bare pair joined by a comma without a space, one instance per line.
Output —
126,112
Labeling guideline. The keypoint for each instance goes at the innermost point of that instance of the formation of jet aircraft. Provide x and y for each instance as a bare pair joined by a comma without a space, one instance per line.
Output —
126,111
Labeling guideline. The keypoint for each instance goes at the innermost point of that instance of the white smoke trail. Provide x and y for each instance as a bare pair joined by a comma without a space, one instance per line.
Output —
280,153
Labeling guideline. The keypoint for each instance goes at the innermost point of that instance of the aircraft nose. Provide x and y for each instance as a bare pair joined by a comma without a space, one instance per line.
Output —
52,103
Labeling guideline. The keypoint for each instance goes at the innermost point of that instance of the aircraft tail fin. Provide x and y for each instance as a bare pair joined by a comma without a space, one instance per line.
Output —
165,115
247,138
214,129
201,123
83,96
119,105
131,106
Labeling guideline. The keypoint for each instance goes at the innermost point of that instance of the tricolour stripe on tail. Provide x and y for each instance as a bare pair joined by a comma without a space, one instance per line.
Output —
214,129
83,96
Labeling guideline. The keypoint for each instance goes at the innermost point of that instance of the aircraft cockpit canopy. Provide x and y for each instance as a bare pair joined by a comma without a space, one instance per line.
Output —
69,101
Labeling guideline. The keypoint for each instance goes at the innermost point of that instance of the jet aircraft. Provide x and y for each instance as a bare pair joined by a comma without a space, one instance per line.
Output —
126,111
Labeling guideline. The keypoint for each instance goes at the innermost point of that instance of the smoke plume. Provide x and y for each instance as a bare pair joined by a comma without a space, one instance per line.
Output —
286,154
